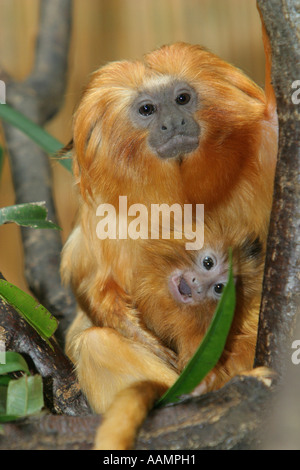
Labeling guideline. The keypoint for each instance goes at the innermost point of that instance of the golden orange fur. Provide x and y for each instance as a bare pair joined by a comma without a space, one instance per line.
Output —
231,172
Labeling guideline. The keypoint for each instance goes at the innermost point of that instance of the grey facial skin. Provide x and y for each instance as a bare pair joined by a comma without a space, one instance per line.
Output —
167,111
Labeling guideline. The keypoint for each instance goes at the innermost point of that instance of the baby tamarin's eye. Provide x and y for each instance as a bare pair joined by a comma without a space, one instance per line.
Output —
208,263
218,288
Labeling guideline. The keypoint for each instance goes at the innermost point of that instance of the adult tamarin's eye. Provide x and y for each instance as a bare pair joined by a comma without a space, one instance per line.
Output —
208,263
147,109
183,98
218,288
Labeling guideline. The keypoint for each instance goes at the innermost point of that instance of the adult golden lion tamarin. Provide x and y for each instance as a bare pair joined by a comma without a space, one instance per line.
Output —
181,127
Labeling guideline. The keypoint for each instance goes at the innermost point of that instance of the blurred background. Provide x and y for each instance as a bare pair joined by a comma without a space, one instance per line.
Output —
105,30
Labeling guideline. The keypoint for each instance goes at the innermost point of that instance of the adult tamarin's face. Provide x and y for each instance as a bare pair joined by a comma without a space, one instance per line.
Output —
167,112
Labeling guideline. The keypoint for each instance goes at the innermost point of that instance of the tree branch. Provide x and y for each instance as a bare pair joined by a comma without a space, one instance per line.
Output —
231,418
48,77
39,98
281,295
61,389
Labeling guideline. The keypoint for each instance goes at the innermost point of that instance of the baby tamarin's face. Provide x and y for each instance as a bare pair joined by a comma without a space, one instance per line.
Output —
203,280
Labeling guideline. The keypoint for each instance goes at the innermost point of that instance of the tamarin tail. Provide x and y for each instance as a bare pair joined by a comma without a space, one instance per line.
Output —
126,414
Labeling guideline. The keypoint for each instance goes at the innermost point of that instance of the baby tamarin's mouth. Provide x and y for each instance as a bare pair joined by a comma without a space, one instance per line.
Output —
184,288
180,288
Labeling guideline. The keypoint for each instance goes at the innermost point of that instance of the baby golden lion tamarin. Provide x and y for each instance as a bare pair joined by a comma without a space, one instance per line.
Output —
180,127
176,294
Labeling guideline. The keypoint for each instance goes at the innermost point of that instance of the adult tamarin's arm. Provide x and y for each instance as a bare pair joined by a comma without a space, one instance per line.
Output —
88,265
120,377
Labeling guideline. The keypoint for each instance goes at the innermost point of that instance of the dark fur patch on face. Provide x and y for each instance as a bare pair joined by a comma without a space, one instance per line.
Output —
253,249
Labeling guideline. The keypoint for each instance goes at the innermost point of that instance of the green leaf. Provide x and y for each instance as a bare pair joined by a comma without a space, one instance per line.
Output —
210,349
4,380
24,396
17,397
6,418
13,362
34,313
42,138
32,214
35,394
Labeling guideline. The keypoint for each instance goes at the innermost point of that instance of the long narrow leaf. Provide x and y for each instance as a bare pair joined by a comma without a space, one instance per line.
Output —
35,314
42,138
32,215
210,349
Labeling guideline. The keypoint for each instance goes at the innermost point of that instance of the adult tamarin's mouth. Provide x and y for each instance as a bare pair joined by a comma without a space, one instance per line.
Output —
178,145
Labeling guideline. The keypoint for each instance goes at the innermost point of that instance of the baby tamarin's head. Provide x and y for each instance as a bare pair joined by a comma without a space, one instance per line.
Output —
177,291
203,279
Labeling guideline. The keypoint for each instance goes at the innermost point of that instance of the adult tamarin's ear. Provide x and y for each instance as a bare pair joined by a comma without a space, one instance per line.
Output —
68,152
66,149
